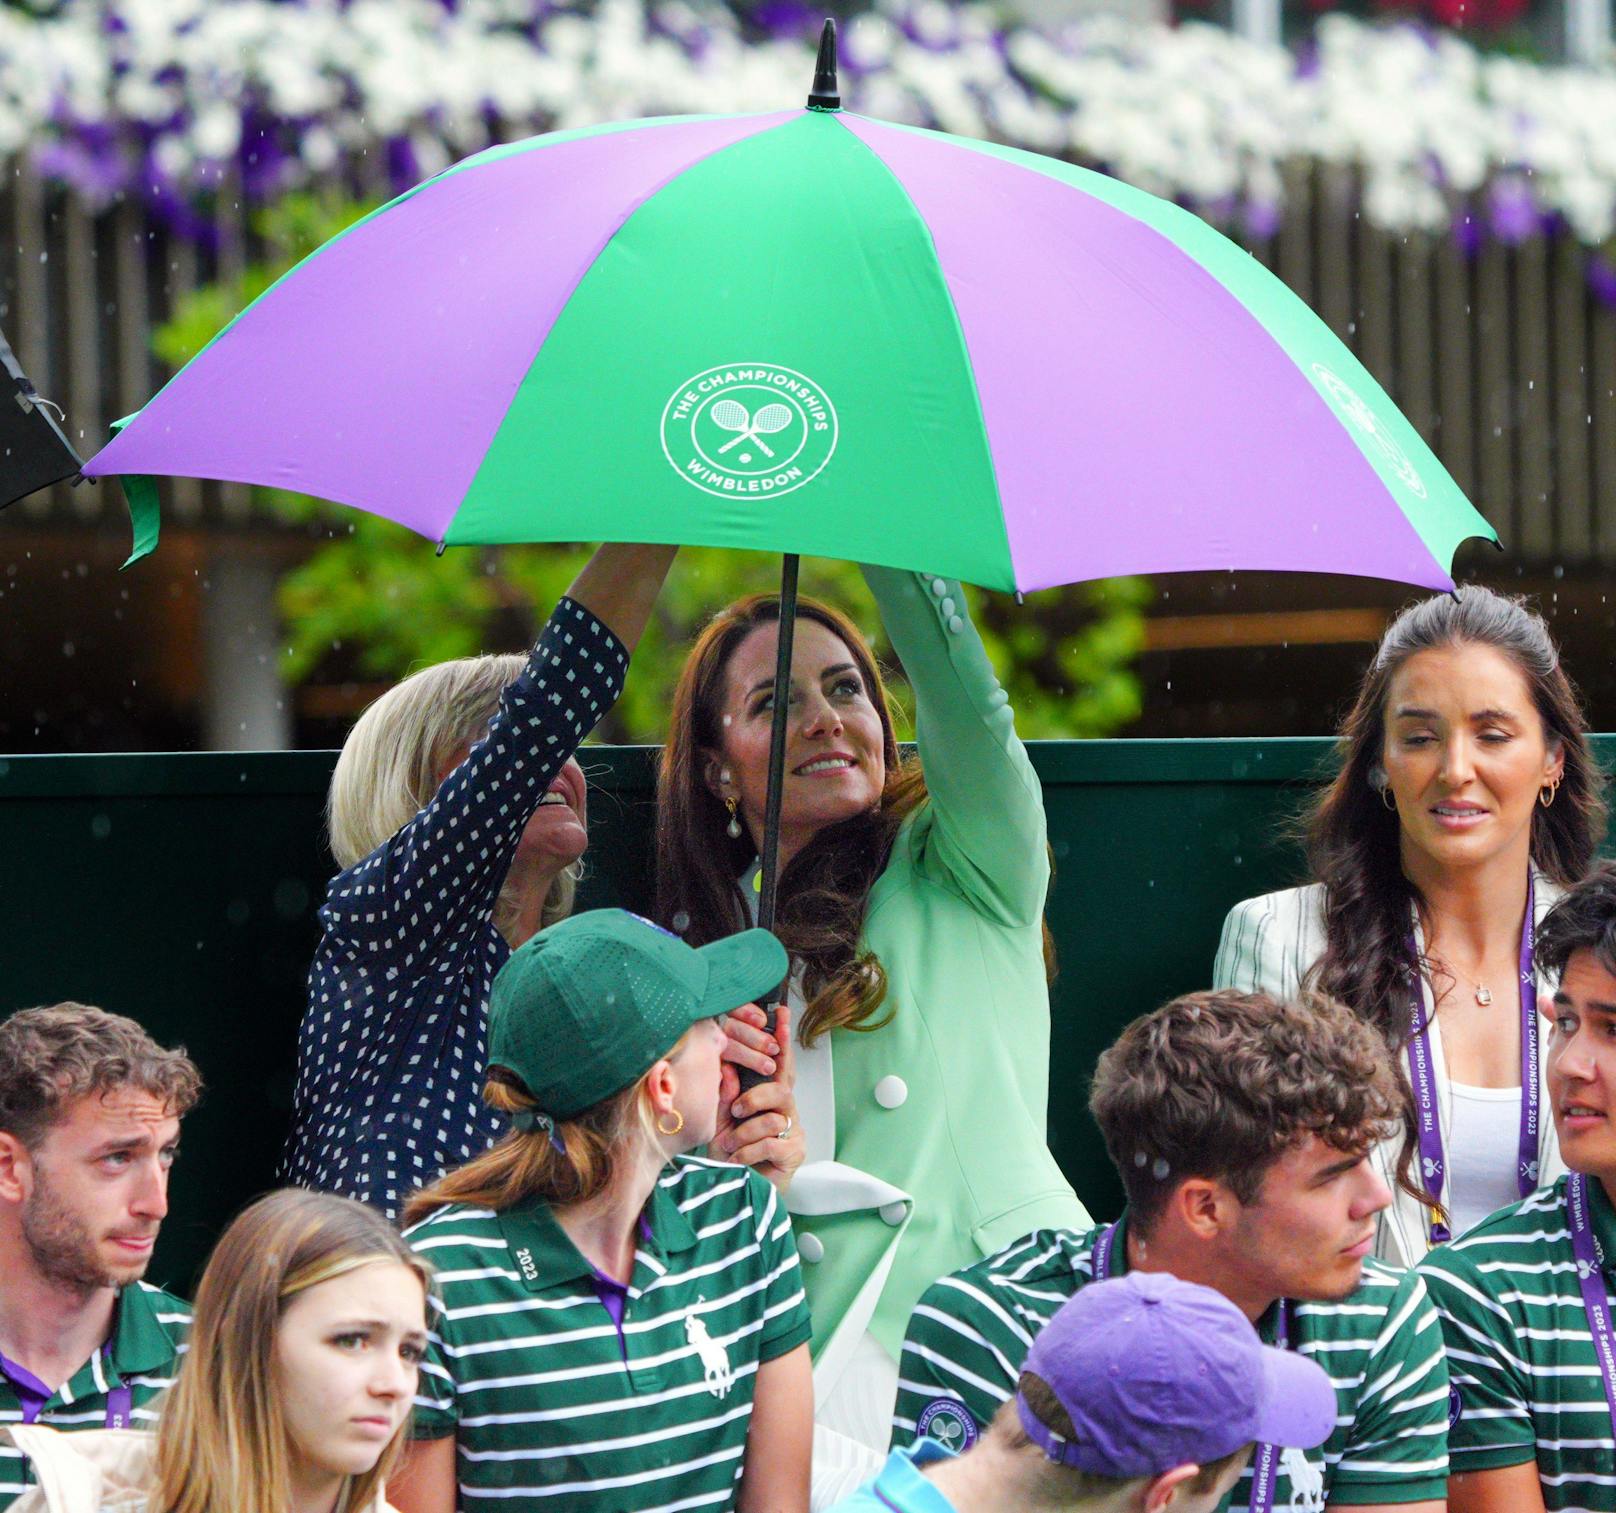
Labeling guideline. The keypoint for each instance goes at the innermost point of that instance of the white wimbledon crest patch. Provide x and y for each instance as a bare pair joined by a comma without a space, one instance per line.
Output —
748,429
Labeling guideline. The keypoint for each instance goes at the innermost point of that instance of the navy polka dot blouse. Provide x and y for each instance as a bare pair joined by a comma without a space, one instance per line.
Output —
391,1051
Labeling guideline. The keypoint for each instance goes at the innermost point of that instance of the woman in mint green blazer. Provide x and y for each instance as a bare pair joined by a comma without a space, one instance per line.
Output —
911,900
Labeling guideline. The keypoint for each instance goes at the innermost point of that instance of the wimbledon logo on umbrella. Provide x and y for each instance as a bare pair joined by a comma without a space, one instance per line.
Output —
748,428
1352,405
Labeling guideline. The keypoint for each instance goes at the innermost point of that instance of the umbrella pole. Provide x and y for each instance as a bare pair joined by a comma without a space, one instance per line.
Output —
777,741
777,756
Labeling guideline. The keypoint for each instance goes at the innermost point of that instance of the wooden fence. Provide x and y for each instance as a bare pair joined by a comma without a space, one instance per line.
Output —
1503,360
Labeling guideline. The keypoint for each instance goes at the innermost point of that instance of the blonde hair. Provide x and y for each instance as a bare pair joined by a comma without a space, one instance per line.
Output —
1060,1486
222,1443
527,1165
391,763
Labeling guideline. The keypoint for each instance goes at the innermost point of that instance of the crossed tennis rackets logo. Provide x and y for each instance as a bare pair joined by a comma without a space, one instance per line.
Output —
748,429
732,415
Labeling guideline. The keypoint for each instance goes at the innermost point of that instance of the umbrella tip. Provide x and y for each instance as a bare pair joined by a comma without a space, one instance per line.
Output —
826,93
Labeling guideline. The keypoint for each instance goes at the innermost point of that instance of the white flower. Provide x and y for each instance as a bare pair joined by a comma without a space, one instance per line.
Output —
1191,112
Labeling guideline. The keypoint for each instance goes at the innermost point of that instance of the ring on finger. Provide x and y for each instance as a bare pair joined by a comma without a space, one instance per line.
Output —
789,1125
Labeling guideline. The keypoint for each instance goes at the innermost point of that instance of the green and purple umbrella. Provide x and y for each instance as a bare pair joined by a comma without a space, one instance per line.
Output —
811,332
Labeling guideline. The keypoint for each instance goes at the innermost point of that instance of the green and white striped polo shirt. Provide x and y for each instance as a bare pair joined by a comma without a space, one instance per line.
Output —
549,1398
148,1340
1520,1351
1382,1347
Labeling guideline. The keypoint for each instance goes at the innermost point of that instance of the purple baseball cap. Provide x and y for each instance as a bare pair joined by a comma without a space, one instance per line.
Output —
1156,1373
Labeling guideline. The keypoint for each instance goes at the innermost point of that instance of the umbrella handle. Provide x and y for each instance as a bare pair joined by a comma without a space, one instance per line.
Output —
777,768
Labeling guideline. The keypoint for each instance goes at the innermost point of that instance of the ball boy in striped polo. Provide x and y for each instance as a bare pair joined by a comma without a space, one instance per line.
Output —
1141,1394
1525,1296
90,1110
1240,1127
622,1327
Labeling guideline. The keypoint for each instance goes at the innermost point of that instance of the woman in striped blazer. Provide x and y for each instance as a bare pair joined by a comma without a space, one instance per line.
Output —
1465,803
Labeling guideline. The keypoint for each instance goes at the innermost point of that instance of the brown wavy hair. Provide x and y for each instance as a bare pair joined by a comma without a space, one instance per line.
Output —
222,1444
1221,1084
1353,839
50,1057
824,889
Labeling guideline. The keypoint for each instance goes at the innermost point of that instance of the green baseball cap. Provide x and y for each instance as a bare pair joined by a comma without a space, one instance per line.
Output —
589,1005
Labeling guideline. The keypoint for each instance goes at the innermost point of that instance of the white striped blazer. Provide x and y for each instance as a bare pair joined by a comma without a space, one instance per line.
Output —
1268,945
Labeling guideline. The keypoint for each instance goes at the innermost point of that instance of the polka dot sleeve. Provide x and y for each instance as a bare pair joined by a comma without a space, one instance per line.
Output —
391,1051
437,879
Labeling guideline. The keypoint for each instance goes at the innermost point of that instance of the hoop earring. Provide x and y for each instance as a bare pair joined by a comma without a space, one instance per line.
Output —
1388,799
1545,794
669,1133
733,828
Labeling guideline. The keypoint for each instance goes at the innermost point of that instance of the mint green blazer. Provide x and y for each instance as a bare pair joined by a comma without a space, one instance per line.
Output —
941,1155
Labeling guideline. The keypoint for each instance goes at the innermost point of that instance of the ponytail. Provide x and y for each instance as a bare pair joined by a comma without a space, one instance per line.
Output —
578,1162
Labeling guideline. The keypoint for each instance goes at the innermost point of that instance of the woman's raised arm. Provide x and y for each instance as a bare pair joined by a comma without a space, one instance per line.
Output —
619,585
989,831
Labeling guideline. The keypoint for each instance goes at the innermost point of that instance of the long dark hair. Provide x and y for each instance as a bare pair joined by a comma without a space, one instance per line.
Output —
1352,838
824,889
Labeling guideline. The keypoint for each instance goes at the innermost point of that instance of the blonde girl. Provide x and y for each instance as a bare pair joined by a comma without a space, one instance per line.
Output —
302,1366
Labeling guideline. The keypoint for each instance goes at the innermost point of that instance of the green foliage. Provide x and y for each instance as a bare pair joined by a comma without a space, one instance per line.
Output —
378,600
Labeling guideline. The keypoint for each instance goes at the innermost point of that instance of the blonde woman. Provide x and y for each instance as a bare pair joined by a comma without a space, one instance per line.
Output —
457,815
304,1356
623,1326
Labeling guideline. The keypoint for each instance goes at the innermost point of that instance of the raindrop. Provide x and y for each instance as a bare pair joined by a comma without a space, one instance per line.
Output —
611,1000
68,648
681,922
290,898
729,719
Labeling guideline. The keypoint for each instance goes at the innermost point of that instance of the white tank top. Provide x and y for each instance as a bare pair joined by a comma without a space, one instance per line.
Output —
1483,1145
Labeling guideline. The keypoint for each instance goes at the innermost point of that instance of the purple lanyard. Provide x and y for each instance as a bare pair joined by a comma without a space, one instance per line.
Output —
1591,1279
1433,1164
1264,1463
120,1399
33,1393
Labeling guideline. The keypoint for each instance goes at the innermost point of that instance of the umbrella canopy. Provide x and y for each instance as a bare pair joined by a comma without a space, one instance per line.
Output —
812,332
34,453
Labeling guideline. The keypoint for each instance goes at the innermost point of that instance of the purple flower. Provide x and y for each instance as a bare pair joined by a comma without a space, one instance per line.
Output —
783,18
95,173
403,167
1467,231
1260,218
1512,210
1602,279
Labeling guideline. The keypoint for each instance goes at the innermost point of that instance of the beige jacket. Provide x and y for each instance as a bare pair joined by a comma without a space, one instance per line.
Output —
93,1470
1269,944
